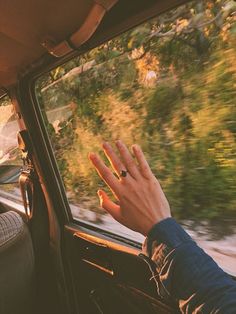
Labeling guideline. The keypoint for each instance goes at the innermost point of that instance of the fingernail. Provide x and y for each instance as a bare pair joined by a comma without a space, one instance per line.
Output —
118,143
91,155
105,144
135,147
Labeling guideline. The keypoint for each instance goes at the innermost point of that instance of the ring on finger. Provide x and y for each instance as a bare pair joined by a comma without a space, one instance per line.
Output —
123,173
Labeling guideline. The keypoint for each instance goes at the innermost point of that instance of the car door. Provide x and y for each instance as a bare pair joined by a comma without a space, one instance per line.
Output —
136,86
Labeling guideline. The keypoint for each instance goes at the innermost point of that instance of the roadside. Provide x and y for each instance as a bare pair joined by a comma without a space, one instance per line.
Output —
223,251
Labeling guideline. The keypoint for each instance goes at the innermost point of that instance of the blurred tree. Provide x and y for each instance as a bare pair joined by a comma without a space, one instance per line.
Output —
168,84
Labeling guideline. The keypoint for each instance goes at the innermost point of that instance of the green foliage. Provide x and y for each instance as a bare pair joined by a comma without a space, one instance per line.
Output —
168,85
161,106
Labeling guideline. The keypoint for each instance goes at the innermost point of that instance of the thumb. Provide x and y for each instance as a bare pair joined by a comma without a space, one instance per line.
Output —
108,205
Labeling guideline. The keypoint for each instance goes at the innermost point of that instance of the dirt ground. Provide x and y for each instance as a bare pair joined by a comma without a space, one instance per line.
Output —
222,250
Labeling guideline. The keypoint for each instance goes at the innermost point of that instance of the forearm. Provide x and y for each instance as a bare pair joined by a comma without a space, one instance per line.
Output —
185,273
182,270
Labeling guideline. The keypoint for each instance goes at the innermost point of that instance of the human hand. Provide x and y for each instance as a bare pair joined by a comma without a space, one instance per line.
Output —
141,200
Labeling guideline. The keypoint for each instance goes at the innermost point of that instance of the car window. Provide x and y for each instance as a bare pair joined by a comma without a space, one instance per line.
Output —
9,153
169,85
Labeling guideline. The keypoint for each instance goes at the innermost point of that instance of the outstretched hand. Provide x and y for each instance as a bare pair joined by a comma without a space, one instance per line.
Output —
141,200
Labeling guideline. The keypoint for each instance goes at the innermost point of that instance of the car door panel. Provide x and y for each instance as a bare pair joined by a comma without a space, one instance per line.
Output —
110,277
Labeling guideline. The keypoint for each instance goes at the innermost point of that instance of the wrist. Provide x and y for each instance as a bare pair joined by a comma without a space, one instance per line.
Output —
150,231
154,222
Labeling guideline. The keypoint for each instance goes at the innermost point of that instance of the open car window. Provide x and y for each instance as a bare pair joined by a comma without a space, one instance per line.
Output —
168,85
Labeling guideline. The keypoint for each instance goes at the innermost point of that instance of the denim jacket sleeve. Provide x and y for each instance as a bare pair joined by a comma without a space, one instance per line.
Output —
185,274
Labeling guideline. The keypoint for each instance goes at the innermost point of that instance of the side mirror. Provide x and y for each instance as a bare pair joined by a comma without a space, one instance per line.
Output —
9,174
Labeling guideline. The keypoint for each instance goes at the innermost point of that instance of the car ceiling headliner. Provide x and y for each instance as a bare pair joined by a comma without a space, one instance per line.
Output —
25,24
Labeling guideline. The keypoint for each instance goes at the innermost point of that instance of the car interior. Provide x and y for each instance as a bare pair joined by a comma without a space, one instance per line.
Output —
50,260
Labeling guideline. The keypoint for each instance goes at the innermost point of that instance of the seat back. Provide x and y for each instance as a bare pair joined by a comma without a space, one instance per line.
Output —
16,265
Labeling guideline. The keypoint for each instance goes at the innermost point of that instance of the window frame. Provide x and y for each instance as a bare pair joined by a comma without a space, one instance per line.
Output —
70,221
29,84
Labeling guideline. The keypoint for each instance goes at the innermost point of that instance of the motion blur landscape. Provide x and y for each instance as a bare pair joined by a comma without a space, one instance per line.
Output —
168,85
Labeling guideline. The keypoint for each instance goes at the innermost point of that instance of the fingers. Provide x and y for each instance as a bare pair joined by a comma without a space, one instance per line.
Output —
115,161
105,173
127,159
108,205
143,164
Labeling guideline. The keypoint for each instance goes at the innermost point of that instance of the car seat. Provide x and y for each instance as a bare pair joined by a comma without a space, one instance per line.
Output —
16,265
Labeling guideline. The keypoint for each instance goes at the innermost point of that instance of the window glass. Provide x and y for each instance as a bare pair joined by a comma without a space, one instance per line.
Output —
168,85
9,153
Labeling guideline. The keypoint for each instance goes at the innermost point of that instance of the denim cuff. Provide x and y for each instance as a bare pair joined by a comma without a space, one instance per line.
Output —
162,239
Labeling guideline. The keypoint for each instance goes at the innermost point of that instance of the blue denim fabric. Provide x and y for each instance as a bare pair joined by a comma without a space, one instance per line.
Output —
185,274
